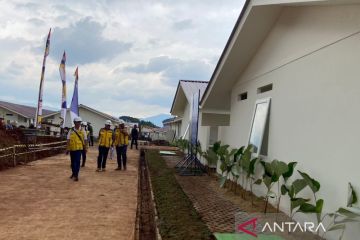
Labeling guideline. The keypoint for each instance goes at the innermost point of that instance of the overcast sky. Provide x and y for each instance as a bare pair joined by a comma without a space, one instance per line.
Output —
131,54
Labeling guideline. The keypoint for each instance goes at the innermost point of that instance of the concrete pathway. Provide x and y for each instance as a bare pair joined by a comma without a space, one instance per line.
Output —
39,201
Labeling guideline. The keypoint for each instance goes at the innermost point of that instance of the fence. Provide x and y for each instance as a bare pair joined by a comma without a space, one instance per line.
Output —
24,153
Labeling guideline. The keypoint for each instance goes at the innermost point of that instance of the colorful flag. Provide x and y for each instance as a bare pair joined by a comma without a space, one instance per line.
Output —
63,97
40,99
74,107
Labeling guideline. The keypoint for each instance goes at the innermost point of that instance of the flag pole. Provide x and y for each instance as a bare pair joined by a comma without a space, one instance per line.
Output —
63,97
74,106
40,100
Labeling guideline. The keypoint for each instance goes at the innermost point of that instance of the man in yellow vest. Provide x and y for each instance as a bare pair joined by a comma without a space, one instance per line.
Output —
84,127
121,143
76,143
105,142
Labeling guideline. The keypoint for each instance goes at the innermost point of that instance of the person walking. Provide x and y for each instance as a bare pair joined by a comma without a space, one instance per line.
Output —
91,132
134,136
121,143
76,143
83,153
105,142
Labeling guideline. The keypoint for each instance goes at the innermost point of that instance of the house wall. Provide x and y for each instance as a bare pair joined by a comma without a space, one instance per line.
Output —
311,56
185,121
14,117
97,121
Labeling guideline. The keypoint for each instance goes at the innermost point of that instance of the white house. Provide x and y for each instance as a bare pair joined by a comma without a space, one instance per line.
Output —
173,124
303,56
88,114
20,114
181,108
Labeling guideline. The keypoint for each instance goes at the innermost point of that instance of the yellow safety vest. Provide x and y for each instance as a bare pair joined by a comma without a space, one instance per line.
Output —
105,137
76,143
121,138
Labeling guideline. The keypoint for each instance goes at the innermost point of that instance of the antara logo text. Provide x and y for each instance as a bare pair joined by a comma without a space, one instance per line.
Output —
249,227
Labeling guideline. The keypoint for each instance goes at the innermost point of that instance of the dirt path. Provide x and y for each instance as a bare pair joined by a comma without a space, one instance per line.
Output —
39,201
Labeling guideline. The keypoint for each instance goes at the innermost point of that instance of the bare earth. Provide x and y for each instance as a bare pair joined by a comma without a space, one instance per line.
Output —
39,201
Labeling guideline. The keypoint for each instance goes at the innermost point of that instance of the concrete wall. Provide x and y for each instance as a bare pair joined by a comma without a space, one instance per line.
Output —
312,58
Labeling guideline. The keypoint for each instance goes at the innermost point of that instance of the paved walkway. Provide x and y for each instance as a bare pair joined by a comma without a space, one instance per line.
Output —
39,201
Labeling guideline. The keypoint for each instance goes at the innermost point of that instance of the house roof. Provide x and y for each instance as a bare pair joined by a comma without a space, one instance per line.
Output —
184,92
253,25
23,110
100,113
171,120
105,115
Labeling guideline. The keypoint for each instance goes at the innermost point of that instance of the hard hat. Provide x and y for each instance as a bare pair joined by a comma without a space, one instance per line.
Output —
84,123
77,119
121,121
107,122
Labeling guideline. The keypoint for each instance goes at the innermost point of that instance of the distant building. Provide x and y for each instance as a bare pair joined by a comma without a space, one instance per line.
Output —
18,114
88,114
181,108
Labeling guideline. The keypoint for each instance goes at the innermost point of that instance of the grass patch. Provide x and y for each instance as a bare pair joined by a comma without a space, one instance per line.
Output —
178,218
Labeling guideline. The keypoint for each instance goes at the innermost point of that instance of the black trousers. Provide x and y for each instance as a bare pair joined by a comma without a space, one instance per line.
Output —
134,141
83,153
91,142
103,153
121,156
75,162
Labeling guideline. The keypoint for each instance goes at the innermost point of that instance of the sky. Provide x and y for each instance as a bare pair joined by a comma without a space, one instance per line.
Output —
130,54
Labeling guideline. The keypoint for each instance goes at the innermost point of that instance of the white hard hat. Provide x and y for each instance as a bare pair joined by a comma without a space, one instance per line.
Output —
77,119
84,123
121,121
107,122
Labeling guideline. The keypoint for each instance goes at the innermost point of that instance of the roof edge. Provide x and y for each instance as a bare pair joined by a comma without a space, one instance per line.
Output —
242,13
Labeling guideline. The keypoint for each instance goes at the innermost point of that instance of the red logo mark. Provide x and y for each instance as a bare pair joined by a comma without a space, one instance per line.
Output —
241,227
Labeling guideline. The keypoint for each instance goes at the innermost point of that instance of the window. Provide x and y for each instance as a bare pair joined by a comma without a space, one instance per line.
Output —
242,96
9,114
259,125
265,88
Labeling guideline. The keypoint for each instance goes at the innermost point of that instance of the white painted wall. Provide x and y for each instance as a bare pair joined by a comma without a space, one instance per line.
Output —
14,117
185,121
313,62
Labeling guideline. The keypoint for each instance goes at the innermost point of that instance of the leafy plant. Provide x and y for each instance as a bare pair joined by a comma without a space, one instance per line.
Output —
318,205
228,166
248,167
183,144
292,190
342,216
286,176
273,171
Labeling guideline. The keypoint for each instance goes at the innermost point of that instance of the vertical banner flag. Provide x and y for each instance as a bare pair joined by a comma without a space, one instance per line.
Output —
194,118
40,99
74,107
63,97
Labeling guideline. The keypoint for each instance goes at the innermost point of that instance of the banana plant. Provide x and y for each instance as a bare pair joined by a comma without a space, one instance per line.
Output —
344,215
273,171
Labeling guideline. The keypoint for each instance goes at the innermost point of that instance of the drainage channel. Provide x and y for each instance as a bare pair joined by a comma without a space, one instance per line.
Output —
146,225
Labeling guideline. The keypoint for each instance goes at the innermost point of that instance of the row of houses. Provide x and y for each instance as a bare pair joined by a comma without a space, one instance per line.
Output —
24,116
293,65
